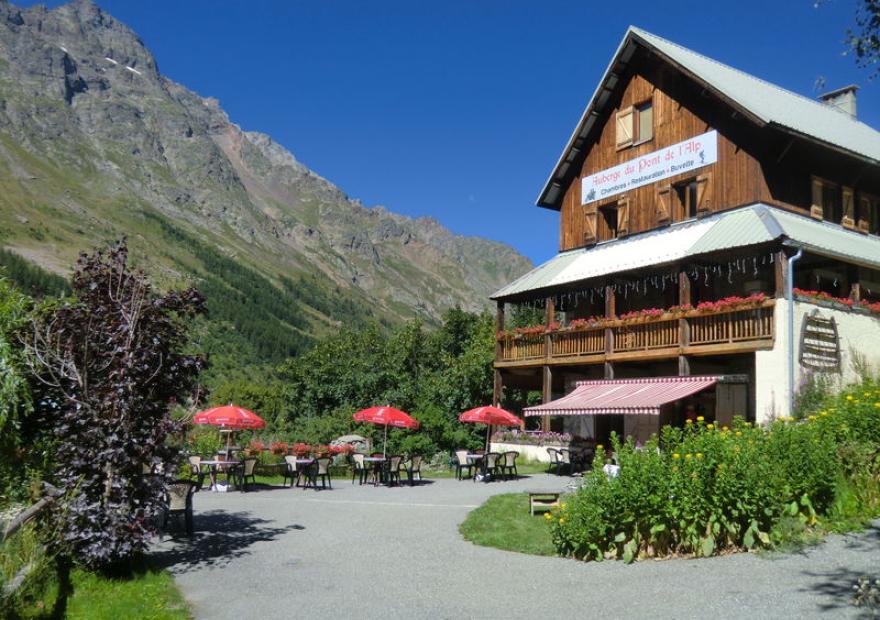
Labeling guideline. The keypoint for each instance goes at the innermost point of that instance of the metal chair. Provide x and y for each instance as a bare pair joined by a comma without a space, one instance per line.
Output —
320,468
490,464
507,465
179,496
462,463
565,459
358,468
290,471
247,472
554,461
413,467
392,469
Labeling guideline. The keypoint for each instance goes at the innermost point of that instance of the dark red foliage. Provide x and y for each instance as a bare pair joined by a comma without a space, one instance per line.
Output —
109,365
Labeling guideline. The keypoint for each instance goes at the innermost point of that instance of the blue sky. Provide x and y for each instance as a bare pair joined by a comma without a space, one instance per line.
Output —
459,109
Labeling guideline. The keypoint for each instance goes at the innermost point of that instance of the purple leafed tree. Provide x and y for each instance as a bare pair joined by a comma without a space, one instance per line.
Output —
109,364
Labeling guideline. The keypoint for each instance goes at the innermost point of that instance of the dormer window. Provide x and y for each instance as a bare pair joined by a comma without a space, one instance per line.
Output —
635,124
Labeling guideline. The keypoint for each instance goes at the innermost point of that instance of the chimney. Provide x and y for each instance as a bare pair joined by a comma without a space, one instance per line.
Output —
842,99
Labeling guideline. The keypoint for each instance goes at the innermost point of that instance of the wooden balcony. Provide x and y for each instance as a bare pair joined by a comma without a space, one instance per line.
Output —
696,333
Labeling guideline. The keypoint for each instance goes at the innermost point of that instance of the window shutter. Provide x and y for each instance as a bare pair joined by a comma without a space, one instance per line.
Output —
622,217
864,213
816,209
704,202
664,204
625,127
849,208
590,216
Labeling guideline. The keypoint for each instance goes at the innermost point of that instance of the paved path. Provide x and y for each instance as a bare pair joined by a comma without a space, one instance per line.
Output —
365,552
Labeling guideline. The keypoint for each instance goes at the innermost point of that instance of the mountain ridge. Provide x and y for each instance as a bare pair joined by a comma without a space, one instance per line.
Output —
95,142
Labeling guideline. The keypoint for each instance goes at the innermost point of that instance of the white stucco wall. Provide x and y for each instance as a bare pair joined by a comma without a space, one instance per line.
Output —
859,336
526,451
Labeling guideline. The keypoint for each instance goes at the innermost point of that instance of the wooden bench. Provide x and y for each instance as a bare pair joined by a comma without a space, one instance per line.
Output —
543,500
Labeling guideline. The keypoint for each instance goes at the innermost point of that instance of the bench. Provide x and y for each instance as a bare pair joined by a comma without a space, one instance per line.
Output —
543,500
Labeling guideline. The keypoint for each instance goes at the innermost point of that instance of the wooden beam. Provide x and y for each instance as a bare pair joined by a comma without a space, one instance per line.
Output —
609,370
780,264
684,288
546,395
684,366
856,291
499,327
497,388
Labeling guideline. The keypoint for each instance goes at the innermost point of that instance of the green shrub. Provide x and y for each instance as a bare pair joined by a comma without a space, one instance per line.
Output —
711,488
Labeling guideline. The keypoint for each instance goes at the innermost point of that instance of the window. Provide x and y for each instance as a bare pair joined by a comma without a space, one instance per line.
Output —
686,195
608,223
635,124
827,201
869,214
645,124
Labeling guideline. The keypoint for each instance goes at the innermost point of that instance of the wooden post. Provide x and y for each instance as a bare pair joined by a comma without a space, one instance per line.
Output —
856,291
610,309
547,380
781,272
546,395
499,327
684,328
497,388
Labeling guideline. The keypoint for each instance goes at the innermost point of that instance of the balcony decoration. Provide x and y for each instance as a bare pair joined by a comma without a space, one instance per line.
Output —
254,448
845,302
278,448
733,302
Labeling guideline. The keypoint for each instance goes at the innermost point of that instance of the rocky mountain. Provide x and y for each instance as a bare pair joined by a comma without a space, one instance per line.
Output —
96,143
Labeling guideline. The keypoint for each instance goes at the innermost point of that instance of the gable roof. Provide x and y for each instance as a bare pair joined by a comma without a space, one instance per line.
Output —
743,227
761,101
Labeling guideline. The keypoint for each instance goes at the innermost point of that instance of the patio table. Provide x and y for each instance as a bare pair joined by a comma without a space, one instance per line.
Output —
479,464
224,466
378,470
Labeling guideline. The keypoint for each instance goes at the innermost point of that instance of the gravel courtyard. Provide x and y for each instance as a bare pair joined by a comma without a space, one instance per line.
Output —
365,552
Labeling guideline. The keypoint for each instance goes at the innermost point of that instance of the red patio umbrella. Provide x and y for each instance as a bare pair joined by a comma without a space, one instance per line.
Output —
229,417
490,416
386,416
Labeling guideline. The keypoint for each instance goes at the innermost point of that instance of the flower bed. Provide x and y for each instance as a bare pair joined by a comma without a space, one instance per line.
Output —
844,302
532,438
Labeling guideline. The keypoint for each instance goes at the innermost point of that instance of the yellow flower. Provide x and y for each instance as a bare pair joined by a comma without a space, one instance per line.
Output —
877,404
687,456
688,421
811,417
561,520
562,505
700,418
599,446
548,516
724,428
720,466
710,426
739,433
675,469
699,455
676,455
849,397
825,413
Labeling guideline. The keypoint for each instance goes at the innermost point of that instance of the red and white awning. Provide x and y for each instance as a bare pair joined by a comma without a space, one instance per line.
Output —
623,396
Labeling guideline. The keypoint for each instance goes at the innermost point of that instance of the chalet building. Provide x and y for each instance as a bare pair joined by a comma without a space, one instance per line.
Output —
701,209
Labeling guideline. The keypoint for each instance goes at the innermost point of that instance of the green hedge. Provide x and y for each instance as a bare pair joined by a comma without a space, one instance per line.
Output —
711,489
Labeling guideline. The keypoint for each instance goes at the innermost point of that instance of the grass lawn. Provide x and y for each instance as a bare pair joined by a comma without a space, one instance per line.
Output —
148,595
504,522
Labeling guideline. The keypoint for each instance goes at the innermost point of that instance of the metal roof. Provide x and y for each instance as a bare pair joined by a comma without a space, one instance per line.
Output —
766,103
737,228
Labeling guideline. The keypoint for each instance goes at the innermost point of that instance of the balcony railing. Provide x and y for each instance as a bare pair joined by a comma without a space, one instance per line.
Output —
693,332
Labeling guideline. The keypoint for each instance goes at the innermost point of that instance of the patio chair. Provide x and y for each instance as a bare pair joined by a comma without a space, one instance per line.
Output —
507,465
358,468
179,496
554,461
413,467
321,469
246,472
392,469
490,464
462,463
195,464
565,459
290,471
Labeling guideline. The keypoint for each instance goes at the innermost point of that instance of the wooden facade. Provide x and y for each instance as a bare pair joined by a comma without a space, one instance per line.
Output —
754,165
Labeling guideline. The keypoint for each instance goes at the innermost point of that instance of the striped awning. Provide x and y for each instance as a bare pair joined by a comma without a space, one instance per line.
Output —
623,396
